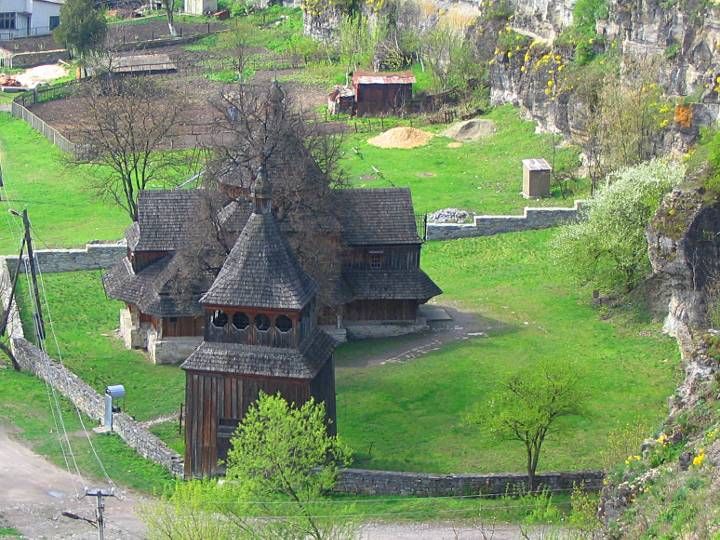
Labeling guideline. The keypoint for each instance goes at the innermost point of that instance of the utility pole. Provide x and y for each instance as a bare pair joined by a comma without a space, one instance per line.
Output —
99,493
39,323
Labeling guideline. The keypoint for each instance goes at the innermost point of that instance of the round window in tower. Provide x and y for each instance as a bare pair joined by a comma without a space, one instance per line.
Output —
240,321
283,323
219,319
262,322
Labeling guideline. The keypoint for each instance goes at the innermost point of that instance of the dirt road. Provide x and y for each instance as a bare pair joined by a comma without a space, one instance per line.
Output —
34,493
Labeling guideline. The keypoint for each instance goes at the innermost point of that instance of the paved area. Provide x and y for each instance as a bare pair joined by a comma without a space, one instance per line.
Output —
451,325
35,493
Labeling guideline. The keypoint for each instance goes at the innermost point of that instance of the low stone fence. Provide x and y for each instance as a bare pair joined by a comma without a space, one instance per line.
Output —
532,218
82,395
367,482
91,257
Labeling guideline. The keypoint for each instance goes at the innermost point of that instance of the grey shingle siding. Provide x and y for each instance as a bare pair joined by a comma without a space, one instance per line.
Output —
303,363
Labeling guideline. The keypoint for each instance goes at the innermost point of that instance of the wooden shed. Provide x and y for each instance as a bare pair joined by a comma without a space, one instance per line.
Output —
261,335
537,174
381,92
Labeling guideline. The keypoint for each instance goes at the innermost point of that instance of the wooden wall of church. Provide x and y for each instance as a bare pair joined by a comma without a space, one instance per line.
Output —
216,402
381,310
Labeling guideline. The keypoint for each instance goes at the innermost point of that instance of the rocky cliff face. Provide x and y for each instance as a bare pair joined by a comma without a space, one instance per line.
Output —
684,245
686,35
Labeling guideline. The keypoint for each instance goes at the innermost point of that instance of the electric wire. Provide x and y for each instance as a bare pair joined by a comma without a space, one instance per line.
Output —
53,400
60,359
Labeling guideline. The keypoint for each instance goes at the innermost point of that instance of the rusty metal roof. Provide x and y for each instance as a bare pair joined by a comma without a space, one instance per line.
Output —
382,77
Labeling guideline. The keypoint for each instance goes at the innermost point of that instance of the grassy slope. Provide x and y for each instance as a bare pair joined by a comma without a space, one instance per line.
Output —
84,322
411,416
63,208
483,176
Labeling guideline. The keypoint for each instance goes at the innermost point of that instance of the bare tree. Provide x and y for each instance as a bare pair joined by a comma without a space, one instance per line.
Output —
169,7
126,133
259,127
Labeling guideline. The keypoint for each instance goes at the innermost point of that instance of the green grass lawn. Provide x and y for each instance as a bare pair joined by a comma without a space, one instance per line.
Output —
62,206
483,176
85,322
412,416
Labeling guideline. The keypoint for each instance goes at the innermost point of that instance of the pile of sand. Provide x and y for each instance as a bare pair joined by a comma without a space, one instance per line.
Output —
32,77
470,130
401,137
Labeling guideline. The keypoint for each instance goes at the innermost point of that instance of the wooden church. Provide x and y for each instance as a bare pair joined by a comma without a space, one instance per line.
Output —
260,334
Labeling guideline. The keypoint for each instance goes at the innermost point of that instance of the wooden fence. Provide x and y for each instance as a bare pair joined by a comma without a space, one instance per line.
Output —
18,110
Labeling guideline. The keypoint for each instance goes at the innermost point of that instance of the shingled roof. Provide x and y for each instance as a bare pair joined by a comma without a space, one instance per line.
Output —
162,215
391,285
241,359
158,289
261,271
376,216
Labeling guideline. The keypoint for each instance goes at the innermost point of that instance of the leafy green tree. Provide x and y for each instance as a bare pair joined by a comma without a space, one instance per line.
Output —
280,468
528,405
608,249
82,28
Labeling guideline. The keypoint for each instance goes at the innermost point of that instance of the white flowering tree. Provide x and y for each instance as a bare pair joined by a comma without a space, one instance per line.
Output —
608,249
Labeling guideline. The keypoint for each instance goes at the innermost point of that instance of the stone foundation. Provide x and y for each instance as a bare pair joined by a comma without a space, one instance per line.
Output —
370,330
133,334
170,350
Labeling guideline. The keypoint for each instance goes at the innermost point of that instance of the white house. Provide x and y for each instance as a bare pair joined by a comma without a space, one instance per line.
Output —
21,18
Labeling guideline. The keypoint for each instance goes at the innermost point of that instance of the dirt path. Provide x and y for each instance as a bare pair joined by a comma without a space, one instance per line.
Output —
448,531
35,492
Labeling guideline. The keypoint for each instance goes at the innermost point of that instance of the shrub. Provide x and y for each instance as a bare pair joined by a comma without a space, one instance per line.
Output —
608,249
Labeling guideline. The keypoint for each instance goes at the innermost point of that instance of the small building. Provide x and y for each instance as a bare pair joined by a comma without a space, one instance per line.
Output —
200,7
261,335
537,174
381,92
142,64
23,18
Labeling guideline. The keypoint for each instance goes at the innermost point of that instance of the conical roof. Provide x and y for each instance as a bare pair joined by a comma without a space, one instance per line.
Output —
261,271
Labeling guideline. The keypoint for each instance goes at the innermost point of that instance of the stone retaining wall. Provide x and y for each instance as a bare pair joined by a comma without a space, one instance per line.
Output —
92,257
82,395
532,218
366,482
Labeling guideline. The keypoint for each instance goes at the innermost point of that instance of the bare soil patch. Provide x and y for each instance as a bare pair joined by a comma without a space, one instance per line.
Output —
470,130
402,137
200,117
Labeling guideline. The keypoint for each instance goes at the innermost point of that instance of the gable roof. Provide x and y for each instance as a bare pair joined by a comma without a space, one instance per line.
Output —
376,216
261,271
259,360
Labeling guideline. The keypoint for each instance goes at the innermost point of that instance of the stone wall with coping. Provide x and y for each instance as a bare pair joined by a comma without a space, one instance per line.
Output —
367,482
531,219
94,256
